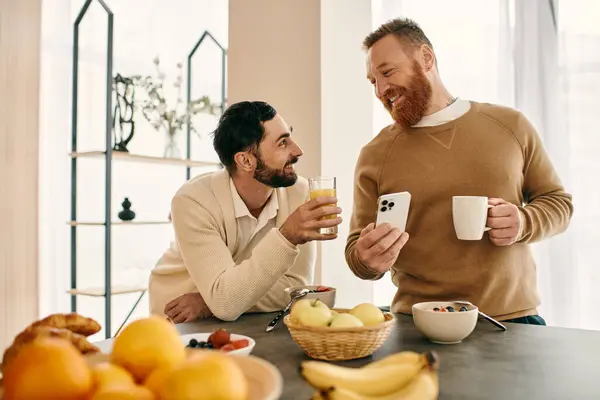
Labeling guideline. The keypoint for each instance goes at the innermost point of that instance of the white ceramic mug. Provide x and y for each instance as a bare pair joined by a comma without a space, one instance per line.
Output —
469,214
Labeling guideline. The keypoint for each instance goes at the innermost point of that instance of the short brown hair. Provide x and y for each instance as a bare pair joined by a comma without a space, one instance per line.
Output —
404,29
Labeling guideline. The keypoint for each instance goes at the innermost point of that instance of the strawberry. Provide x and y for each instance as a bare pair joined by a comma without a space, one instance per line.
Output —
228,347
240,343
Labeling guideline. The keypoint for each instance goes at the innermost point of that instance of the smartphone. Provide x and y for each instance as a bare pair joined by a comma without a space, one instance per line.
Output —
393,209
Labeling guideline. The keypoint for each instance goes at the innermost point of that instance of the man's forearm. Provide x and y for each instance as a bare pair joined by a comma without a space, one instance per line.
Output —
357,267
545,216
301,274
235,289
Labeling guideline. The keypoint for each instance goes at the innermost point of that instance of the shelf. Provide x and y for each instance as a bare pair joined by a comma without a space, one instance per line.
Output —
119,155
99,291
82,223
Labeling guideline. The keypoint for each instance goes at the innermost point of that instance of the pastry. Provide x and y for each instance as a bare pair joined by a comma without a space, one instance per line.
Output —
74,322
30,334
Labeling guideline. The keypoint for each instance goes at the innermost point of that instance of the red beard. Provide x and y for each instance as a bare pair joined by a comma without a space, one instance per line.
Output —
415,99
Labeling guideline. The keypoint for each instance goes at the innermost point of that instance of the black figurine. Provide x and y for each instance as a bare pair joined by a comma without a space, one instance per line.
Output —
126,214
123,112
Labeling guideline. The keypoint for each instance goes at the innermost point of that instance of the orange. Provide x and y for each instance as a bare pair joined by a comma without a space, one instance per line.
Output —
124,393
108,375
48,368
157,378
213,377
146,344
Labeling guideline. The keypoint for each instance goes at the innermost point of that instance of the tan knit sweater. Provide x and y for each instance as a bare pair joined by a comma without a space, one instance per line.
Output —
490,151
205,258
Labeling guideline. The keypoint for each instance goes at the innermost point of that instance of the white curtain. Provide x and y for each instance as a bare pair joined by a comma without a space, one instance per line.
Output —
577,149
542,58
538,96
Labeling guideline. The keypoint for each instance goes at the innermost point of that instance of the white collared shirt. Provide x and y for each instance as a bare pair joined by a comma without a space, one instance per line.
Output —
250,228
450,113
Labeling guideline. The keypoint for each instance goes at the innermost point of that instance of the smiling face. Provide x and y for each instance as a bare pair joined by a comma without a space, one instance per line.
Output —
276,155
398,79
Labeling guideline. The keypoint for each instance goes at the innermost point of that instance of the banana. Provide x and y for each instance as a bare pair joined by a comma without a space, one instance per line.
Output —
424,386
364,381
409,357
317,396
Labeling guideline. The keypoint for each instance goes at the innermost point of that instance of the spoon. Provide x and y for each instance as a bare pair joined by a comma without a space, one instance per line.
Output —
295,295
485,316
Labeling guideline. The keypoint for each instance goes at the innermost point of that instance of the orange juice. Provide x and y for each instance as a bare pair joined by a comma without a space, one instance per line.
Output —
314,193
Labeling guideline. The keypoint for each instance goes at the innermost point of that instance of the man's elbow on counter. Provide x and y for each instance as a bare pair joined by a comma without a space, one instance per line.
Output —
226,315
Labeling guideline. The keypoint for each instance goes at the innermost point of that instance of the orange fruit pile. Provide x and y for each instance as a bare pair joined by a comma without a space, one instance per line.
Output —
148,362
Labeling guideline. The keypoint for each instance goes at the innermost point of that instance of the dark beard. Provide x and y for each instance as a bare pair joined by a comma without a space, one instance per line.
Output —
272,177
415,101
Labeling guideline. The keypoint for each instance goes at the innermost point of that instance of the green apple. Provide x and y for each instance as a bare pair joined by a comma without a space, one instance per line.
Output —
310,313
345,320
296,307
305,303
368,313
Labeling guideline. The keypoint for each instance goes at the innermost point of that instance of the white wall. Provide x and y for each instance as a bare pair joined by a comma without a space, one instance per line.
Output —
19,87
316,80
143,30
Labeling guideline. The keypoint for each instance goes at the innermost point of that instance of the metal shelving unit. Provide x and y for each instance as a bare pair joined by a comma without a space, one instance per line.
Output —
110,155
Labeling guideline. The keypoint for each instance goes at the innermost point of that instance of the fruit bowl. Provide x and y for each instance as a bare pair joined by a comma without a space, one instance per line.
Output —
343,343
324,293
264,379
234,338
441,326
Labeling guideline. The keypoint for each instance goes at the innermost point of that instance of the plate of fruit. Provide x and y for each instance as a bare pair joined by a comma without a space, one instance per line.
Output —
220,340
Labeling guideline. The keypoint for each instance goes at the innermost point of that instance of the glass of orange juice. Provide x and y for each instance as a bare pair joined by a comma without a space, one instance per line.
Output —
323,186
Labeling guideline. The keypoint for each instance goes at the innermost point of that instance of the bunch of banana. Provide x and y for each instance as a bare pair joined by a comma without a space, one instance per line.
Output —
402,376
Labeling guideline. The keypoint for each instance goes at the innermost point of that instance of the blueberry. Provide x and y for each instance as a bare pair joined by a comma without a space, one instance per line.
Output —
209,346
193,343
436,309
450,309
464,308
202,344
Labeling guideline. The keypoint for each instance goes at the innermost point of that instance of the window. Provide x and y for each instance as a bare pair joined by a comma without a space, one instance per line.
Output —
579,60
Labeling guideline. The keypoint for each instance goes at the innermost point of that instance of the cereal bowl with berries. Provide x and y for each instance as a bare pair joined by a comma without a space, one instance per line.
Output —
324,293
445,322
220,340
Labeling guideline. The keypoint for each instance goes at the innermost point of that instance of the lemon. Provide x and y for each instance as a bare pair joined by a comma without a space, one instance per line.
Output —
147,344
214,377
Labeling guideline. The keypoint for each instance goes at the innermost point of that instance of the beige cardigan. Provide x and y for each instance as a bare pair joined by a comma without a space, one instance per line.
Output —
203,259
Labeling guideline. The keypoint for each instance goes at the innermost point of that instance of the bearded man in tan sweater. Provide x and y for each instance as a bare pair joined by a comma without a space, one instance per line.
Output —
439,147
245,233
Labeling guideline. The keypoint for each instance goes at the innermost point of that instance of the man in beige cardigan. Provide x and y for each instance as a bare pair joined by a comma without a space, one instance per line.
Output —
245,233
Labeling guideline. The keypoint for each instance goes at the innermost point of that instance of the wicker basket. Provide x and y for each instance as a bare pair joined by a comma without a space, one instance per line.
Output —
336,344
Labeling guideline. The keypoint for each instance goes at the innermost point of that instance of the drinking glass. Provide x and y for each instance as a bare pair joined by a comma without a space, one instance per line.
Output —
324,186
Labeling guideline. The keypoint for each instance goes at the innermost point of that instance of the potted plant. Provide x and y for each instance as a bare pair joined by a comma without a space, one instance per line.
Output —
165,116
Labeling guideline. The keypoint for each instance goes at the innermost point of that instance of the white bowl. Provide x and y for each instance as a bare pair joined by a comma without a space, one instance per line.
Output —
326,297
264,379
444,327
203,337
